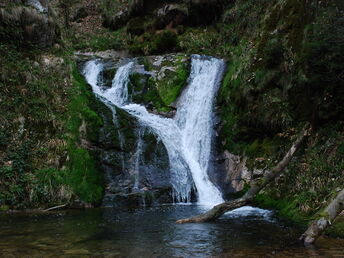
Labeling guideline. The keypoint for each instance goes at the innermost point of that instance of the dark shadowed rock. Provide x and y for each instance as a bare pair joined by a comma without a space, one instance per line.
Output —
81,13
117,20
172,15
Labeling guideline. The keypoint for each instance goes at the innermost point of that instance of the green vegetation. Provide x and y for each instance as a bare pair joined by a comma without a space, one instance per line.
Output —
163,90
102,39
337,228
33,105
286,209
82,175
40,130
171,85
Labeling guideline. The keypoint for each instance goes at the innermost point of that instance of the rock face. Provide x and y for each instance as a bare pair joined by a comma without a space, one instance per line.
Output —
231,174
135,165
28,27
234,173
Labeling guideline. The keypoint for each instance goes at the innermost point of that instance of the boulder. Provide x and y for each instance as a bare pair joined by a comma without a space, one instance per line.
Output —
232,173
172,15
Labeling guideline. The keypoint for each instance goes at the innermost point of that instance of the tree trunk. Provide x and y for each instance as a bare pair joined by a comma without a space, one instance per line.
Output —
220,209
328,215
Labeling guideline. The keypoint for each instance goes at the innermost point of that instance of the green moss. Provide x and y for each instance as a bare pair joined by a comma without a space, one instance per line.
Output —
82,174
170,87
162,92
286,209
152,95
337,228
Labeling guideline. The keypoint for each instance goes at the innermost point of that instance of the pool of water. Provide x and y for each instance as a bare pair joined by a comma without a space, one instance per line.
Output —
152,232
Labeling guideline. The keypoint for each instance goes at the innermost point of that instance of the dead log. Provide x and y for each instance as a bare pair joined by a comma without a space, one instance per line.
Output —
317,227
55,207
256,187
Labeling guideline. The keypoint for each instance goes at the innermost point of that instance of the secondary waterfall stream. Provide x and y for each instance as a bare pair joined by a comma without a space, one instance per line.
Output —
188,136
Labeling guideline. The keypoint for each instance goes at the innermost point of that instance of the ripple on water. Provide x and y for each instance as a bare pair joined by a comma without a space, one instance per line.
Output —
245,232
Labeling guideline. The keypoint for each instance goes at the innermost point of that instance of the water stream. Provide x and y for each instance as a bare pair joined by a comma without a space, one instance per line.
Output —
187,137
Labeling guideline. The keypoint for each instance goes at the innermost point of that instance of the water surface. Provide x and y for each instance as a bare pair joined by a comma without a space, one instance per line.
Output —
152,232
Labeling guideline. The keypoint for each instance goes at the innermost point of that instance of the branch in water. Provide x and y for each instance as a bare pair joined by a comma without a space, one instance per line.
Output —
256,187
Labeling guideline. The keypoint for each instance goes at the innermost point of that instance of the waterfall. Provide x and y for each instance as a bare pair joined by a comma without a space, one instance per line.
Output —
187,137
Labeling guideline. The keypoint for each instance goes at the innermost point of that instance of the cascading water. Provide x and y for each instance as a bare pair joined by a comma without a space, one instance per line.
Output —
187,137
138,154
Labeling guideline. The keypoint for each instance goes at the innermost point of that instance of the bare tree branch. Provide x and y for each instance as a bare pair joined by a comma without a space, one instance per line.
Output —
256,187
317,227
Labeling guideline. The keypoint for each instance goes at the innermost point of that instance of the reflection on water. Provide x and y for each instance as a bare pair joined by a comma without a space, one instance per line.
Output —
152,232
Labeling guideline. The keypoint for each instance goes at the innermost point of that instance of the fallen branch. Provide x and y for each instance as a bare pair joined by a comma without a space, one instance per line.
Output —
317,227
56,207
220,209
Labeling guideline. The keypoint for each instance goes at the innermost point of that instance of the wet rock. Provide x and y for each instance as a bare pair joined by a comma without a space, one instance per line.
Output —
107,54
